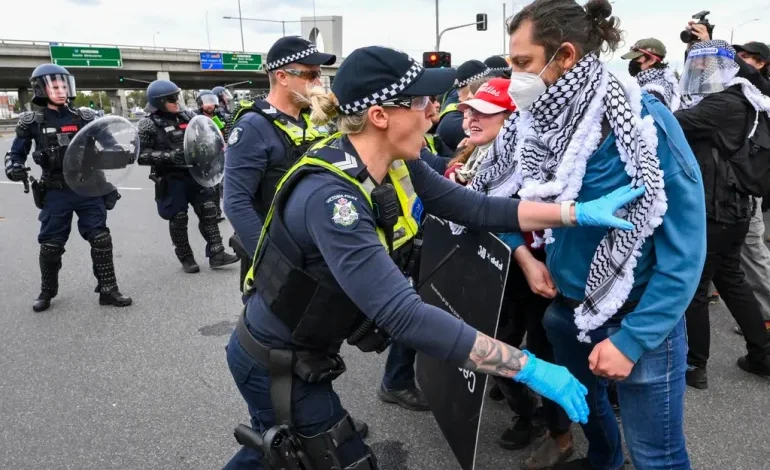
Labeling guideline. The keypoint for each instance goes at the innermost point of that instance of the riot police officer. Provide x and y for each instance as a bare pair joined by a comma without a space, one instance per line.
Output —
326,266
266,137
208,105
226,102
161,136
52,128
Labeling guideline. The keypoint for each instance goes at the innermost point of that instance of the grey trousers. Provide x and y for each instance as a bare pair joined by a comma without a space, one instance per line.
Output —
755,261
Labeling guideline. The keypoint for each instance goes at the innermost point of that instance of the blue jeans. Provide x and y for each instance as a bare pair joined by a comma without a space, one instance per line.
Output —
651,398
399,368
315,408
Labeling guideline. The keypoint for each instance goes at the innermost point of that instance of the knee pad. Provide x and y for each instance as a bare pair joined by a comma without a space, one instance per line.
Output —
207,212
101,241
51,252
179,220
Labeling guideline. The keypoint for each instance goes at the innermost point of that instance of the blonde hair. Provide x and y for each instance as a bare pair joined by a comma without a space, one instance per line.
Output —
323,107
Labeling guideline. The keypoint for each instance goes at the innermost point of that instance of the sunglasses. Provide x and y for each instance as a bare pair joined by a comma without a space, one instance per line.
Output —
309,75
413,102
171,98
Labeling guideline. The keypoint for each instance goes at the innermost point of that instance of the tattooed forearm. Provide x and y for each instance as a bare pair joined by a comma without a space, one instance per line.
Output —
494,357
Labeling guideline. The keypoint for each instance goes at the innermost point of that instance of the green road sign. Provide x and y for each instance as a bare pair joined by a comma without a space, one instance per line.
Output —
243,62
99,57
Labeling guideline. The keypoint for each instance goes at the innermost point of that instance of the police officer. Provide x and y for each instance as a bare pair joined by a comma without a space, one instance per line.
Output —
226,102
267,137
161,136
450,126
208,105
51,128
499,66
326,265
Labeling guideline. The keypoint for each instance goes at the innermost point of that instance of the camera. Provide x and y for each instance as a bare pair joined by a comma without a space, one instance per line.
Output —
687,36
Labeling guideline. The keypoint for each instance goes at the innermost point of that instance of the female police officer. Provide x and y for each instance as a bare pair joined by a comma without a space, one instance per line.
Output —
323,272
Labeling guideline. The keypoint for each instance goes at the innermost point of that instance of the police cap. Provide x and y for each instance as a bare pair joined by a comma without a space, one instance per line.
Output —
371,75
471,71
296,50
499,66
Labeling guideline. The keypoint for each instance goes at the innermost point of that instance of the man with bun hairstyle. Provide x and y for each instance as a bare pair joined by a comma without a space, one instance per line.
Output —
621,296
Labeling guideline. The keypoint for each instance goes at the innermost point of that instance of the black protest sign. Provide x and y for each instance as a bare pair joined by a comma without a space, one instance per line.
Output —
469,284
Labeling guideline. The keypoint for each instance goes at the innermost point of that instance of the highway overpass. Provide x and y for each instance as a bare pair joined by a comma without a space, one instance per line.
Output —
18,58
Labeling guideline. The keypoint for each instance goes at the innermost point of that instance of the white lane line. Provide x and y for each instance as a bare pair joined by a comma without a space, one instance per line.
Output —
120,188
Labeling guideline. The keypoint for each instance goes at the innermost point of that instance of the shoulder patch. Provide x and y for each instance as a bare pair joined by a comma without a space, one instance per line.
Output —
26,121
87,114
235,136
343,210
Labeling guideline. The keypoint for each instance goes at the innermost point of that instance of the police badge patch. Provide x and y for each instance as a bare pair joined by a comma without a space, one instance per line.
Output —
342,210
235,136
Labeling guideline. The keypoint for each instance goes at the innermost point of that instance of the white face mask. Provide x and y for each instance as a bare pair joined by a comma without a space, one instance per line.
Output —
526,87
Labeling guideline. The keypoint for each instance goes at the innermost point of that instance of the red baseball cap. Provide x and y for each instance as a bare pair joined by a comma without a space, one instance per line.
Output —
492,98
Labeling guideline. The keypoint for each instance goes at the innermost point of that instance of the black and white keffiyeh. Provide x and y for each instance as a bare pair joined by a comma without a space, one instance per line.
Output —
664,83
541,154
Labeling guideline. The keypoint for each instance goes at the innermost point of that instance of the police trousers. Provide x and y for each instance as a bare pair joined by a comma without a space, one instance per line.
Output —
177,191
316,408
56,216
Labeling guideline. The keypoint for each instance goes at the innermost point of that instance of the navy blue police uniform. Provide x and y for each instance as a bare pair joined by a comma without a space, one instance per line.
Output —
450,126
51,130
161,137
321,252
263,142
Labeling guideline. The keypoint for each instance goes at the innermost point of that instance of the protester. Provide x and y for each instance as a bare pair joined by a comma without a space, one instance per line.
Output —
621,297
646,64
723,110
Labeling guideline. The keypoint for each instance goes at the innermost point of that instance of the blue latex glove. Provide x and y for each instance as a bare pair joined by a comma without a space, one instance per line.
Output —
557,384
601,212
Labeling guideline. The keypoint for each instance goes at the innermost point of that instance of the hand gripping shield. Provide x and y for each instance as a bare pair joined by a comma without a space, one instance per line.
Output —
101,156
204,151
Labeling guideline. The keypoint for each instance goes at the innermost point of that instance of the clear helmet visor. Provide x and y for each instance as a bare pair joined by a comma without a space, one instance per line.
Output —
226,100
707,71
172,103
58,88
208,100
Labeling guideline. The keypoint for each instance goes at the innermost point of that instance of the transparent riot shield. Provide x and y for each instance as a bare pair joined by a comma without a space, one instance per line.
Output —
101,156
204,151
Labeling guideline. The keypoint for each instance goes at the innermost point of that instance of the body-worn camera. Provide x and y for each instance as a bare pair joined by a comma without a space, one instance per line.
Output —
687,36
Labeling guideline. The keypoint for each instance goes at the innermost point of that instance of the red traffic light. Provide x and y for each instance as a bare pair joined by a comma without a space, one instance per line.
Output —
433,57
436,59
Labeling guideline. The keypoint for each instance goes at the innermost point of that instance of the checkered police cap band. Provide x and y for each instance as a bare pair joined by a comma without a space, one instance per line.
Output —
499,69
292,58
385,94
473,78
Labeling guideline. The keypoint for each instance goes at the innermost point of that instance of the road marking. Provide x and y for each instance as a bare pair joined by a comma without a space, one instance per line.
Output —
120,188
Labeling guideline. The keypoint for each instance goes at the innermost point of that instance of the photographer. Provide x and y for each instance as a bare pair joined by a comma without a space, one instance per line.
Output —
723,112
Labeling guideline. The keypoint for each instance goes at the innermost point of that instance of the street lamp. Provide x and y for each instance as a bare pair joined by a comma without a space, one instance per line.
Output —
240,18
153,39
732,30
208,36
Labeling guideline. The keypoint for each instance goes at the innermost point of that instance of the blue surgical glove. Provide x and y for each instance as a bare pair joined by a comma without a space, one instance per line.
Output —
601,212
557,384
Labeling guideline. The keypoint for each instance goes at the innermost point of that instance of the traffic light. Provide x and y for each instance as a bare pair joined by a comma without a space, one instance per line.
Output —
121,79
91,105
481,21
436,59
250,82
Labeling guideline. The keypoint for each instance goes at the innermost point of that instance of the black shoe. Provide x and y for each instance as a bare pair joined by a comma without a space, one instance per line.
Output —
189,265
362,429
43,301
521,434
696,377
752,366
495,394
115,298
222,259
412,399
577,464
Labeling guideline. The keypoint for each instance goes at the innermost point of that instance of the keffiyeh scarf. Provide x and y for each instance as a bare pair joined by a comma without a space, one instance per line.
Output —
541,154
664,83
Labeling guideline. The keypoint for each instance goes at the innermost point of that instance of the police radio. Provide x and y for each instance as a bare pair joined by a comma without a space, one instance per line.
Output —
385,202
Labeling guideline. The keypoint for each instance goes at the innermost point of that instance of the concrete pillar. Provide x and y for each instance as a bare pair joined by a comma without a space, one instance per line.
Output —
24,103
164,76
118,102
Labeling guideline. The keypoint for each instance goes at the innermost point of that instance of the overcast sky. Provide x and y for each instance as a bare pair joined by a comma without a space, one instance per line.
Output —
182,23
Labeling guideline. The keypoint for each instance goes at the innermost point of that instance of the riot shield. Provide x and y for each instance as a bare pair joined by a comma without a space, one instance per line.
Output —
100,156
478,262
204,151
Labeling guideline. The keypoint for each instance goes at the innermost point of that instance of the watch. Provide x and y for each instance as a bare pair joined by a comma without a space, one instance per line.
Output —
566,220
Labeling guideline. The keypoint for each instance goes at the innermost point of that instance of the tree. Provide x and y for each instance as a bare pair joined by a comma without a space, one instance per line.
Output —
81,99
137,98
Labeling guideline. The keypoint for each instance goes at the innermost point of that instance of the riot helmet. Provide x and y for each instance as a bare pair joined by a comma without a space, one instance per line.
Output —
207,101
161,92
710,66
226,100
52,84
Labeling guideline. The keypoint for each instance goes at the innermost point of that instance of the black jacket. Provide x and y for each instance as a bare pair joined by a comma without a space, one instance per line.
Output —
716,129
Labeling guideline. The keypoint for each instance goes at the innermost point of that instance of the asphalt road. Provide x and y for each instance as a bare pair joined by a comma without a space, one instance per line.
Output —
147,387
